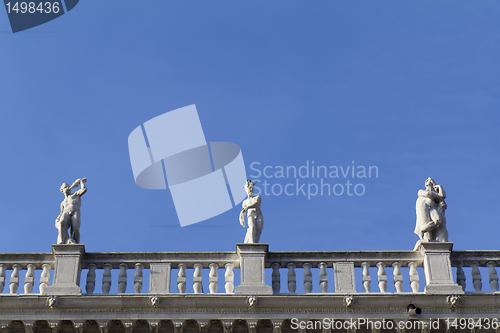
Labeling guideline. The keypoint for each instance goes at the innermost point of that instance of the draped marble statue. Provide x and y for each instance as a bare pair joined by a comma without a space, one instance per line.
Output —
430,208
69,218
251,206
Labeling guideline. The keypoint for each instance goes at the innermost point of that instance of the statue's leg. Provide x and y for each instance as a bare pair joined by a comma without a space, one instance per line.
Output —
62,237
59,235
75,227
251,229
442,233
259,225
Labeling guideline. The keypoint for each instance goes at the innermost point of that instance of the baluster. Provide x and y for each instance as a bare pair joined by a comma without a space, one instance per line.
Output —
89,287
14,278
197,278
213,278
398,277
292,279
276,277
382,277
122,278
308,279
106,278
29,279
181,279
44,277
367,280
138,278
492,274
229,278
476,276
323,278
413,276
460,276
2,277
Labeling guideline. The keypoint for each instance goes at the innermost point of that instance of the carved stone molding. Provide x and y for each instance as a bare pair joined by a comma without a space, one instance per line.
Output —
153,326
54,325
178,326
103,326
78,326
348,301
252,301
154,301
453,301
28,326
277,326
252,325
52,301
227,326
128,326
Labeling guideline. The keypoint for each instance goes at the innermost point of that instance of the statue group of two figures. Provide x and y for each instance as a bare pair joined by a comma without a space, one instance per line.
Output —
430,208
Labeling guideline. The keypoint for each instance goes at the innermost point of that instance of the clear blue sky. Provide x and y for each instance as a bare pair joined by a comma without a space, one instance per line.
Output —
411,87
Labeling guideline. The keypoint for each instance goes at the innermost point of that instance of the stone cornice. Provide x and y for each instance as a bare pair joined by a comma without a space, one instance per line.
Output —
312,306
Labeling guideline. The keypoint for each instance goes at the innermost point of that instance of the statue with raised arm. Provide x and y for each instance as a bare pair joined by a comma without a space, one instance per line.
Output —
251,206
70,213
430,208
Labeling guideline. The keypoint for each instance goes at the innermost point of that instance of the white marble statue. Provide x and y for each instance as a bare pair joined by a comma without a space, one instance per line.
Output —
70,213
430,208
251,206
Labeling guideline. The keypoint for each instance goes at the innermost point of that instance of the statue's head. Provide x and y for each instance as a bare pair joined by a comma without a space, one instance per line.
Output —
429,182
249,186
65,188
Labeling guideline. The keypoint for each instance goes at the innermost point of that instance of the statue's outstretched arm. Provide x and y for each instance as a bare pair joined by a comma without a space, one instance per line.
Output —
83,188
439,189
429,194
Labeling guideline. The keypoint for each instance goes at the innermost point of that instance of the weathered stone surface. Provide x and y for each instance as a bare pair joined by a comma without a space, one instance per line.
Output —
343,276
430,208
251,206
437,268
252,264
67,270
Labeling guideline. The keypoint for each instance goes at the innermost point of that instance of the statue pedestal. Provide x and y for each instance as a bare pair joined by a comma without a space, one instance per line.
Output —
67,270
437,268
252,263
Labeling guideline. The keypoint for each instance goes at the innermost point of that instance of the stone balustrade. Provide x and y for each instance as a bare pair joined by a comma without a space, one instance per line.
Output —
117,267
15,266
342,269
337,272
490,260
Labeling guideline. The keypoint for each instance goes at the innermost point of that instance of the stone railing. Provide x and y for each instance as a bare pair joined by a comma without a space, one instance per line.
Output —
341,266
25,264
287,272
160,265
475,260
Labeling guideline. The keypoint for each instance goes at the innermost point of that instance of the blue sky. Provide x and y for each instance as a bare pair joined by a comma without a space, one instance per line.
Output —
411,87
